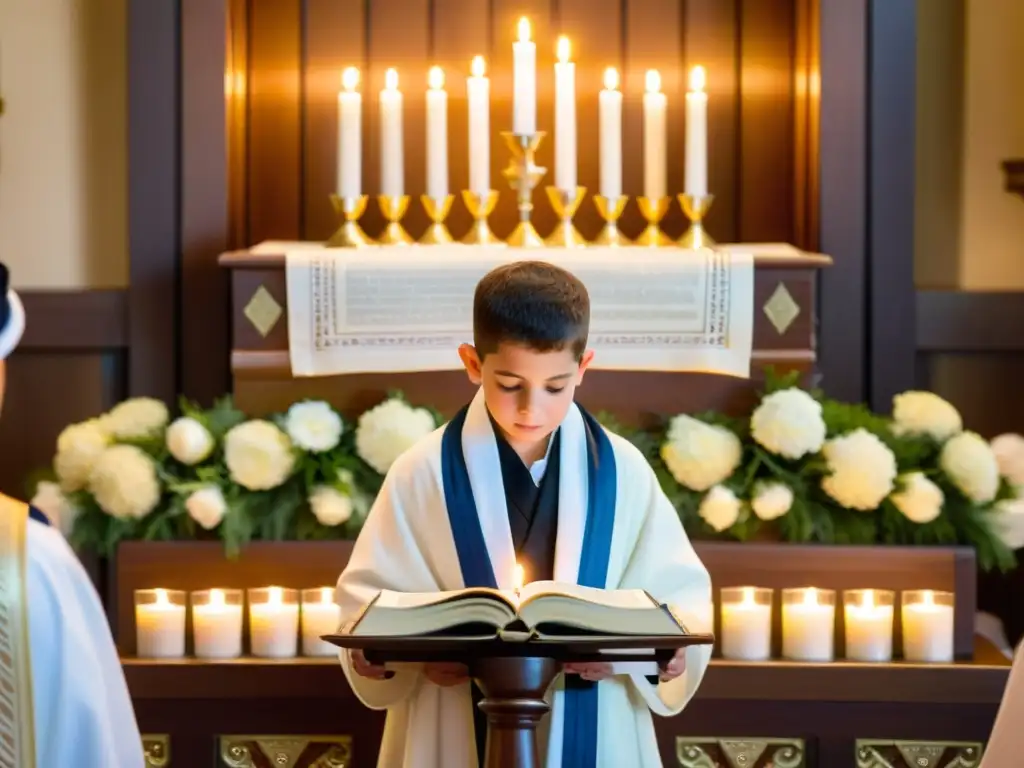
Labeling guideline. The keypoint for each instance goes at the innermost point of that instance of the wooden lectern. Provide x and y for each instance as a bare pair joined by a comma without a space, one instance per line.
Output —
515,676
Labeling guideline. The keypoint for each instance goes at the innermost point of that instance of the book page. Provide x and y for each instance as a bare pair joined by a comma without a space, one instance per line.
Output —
401,600
611,598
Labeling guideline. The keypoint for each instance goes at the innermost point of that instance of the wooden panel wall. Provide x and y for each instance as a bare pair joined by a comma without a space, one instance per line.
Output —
762,157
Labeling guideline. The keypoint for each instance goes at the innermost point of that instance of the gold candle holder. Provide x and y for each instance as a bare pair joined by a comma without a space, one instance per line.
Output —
523,174
653,212
566,204
394,209
480,207
611,212
696,208
349,234
437,233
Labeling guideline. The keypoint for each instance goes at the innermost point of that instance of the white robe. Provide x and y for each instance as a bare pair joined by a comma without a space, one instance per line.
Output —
407,545
83,712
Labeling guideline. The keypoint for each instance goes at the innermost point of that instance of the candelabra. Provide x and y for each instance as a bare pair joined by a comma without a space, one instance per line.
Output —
611,210
394,209
566,204
653,212
437,233
523,174
696,208
349,234
480,207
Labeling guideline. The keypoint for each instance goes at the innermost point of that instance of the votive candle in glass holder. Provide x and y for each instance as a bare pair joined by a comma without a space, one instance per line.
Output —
927,618
320,616
217,623
160,623
868,616
808,624
746,623
273,622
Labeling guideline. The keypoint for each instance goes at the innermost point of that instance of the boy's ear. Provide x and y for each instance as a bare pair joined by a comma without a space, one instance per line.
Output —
585,361
471,361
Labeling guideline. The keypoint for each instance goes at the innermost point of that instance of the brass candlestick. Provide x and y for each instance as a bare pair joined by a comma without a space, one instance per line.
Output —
566,204
653,212
394,209
437,233
696,208
349,234
481,207
523,174
611,211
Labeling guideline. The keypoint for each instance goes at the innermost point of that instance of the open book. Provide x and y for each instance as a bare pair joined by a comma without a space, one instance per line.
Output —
541,610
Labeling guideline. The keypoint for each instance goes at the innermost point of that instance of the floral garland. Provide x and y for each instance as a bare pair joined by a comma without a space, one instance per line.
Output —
802,466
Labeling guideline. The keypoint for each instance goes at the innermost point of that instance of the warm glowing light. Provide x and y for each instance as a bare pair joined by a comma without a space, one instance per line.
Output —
435,78
520,577
326,595
563,49
275,596
217,598
350,78
748,597
653,81
479,66
868,603
810,596
611,78
524,30
391,79
929,599
698,79
161,597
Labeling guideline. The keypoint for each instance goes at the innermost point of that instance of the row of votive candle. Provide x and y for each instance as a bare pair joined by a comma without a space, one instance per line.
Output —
275,620
808,624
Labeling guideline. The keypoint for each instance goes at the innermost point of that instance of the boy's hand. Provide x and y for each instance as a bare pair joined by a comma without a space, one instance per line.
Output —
446,673
589,670
364,668
675,667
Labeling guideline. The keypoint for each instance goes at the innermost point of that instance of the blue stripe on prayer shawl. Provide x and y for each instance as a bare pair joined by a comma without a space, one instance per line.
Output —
39,517
579,738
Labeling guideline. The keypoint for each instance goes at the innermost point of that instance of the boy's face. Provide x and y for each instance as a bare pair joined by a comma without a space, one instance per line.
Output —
527,392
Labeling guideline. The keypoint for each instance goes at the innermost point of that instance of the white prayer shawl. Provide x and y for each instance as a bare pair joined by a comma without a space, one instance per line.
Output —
83,712
407,545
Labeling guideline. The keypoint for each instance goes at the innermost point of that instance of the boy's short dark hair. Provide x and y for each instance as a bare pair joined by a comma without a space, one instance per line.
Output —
534,304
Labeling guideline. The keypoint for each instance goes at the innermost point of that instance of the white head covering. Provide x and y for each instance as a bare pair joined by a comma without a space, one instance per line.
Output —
12,316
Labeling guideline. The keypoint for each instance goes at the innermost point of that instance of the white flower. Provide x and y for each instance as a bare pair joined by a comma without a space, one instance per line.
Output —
314,426
920,500
386,431
135,418
789,423
207,506
720,508
259,455
1009,451
1008,522
971,464
51,501
189,441
78,448
330,506
700,455
771,499
925,413
862,470
124,482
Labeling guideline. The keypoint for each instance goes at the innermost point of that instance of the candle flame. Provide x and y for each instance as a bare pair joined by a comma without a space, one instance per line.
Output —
161,597
611,78
391,79
350,78
748,596
524,30
810,596
479,66
698,79
929,598
520,577
326,595
217,598
275,596
869,599
563,49
435,79
653,81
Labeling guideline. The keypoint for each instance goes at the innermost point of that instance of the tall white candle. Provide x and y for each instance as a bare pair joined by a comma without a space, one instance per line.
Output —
350,136
437,136
747,623
320,616
655,107
610,115
273,622
392,167
478,93
696,183
524,109
868,618
159,623
217,624
927,619
565,119
808,624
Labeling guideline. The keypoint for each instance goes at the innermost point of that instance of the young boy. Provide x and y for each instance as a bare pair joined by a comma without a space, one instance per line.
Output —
524,475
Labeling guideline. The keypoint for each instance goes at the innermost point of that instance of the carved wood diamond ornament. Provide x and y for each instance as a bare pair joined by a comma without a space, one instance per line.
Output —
263,311
781,309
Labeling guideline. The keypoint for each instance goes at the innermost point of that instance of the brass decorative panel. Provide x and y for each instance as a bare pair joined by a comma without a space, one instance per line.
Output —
286,751
917,754
263,311
157,750
781,308
709,752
